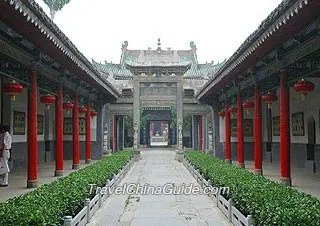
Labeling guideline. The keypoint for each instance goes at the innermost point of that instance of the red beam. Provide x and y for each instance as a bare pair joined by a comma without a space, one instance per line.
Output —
257,133
88,134
32,134
284,131
75,134
59,134
227,129
240,132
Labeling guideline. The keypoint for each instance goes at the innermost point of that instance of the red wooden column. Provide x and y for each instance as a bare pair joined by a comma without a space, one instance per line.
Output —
284,131
88,134
227,129
114,134
200,133
75,133
59,135
257,133
240,132
32,134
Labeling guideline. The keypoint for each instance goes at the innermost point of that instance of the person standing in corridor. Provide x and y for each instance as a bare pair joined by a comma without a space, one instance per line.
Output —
6,142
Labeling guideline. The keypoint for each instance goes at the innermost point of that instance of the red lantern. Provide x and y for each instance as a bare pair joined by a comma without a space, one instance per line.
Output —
12,89
47,100
247,105
303,87
82,110
269,98
68,106
94,113
232,110
221,113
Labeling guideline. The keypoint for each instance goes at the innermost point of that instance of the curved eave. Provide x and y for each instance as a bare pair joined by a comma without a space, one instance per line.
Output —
290,22
36,29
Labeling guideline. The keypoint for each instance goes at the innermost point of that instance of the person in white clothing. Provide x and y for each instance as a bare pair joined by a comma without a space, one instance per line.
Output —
6,142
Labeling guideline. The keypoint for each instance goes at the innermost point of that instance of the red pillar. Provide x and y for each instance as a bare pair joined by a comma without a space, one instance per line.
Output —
257,133
284,131
114,134
227,127
59,135
240,132
200,133
32,134
88,134
75,134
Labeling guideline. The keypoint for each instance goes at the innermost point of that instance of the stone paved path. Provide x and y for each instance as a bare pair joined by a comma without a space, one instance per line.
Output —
157,168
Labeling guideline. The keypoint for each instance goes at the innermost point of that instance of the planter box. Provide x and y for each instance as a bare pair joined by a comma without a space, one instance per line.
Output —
238,219
91,207
226,206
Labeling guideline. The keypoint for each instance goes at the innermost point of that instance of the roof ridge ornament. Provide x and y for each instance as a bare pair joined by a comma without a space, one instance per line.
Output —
159,46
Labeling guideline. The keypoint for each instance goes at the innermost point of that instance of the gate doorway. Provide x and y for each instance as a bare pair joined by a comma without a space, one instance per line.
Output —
311,144
158,133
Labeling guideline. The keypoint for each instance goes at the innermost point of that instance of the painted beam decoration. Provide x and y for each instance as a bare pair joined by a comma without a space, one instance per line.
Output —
19,123
297,124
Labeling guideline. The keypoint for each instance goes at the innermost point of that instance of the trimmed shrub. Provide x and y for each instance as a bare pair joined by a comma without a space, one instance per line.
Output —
269,202
48,204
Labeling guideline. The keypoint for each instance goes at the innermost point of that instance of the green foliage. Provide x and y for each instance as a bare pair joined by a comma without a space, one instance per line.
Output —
173,117
187,123
48,204
143,119
269,202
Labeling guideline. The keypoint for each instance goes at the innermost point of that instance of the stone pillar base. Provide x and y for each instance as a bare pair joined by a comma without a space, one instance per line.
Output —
286,181
241,165
32,183
258,172
137,155
58,173
228,161
179,155
88,161
75,166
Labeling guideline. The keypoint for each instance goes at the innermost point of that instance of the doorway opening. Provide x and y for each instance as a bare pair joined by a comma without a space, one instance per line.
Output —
158,133
311,142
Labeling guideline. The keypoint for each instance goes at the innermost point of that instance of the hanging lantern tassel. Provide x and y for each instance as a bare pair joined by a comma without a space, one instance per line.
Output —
12,89
68,107
303,87
82,110
221,113
94,114
233,111
47,100
247,106
269,98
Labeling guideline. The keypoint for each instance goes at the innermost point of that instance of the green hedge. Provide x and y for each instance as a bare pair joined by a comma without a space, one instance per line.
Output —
49,203
270,203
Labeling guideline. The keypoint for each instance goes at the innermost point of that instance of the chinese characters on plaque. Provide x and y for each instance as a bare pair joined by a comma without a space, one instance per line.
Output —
276,126
67,126
297,124
247,128
19,123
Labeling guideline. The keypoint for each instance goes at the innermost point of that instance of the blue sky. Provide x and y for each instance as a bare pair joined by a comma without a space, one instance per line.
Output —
217,27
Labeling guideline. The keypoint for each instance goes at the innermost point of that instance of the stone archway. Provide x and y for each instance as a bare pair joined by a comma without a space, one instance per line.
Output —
311,128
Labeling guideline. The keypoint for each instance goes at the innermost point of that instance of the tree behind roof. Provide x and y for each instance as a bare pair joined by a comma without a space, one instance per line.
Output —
55,6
